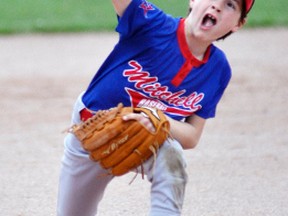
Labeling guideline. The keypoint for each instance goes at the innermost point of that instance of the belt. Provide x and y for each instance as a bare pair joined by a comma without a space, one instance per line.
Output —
85,114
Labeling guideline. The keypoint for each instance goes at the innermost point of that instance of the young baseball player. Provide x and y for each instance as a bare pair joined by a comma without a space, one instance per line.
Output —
163,62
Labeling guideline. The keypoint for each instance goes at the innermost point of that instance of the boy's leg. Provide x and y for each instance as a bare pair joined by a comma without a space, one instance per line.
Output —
168,179
82,182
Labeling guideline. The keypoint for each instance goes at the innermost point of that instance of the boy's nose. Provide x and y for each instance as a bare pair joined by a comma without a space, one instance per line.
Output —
217,6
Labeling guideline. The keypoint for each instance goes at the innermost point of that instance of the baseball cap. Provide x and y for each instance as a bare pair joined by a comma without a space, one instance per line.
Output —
249,4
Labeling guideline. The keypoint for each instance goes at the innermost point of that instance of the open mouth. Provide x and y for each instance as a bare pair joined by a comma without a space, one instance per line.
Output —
209,20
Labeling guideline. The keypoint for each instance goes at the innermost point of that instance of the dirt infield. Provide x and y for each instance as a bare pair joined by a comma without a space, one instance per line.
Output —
240,167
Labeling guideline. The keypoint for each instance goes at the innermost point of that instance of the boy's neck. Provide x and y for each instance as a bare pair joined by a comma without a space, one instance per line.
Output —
196,46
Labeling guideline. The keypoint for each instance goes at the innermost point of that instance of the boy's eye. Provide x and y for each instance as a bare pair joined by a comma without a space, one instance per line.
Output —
231,5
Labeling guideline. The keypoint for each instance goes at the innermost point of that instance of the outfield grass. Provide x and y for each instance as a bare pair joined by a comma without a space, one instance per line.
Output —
18,16
269,13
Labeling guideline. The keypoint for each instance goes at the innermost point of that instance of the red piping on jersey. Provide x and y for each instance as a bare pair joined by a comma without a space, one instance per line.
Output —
191,61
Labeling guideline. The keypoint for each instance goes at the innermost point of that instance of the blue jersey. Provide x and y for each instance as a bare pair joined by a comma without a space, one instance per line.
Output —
151,65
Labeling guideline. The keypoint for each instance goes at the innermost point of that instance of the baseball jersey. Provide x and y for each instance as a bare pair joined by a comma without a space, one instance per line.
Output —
151,65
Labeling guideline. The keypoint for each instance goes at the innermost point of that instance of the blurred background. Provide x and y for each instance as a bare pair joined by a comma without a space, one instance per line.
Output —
240,167
18,16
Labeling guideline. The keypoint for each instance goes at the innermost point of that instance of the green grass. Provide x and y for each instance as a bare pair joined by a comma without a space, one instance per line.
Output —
269,13
18,16
55,15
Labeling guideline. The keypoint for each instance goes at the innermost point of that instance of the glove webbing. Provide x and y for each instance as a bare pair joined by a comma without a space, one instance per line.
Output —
101,117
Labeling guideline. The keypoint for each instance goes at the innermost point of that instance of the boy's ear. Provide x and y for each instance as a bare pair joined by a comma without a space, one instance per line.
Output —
240,25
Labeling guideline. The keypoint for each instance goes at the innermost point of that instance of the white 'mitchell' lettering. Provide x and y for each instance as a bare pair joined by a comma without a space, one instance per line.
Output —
150,85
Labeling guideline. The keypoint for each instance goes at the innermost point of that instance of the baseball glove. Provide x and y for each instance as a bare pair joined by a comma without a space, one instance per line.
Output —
121,146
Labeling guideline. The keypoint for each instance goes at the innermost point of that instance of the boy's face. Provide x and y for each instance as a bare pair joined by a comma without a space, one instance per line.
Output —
211,19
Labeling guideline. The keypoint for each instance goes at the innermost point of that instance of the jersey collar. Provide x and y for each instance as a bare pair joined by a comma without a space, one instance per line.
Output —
185,48
190,60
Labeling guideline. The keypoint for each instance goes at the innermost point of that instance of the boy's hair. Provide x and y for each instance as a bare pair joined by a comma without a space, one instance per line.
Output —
241,20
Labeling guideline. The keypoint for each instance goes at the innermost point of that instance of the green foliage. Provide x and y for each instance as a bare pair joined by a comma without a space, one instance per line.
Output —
18,16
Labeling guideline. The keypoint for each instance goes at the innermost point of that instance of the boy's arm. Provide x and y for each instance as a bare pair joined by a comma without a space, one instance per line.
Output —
120,6
187,133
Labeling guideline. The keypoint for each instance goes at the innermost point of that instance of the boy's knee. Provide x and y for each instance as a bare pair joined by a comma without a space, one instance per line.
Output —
175,163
